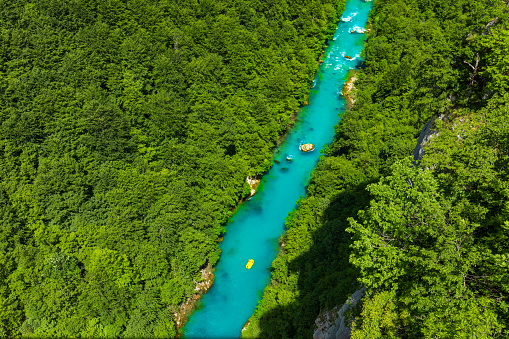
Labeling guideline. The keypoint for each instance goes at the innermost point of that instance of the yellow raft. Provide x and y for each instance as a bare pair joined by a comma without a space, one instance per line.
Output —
249,263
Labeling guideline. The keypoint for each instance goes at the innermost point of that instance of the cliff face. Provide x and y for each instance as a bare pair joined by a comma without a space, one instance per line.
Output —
331,323
428,132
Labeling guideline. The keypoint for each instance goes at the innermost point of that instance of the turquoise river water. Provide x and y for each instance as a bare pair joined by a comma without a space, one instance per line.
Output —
253,231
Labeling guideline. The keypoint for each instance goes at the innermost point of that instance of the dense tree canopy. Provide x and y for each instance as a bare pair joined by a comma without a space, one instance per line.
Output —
127,129
432,241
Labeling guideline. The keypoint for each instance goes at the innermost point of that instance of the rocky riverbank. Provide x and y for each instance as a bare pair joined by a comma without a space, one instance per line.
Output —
349,89
201,287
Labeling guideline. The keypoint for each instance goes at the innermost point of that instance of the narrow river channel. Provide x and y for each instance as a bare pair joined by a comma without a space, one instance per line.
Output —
254,230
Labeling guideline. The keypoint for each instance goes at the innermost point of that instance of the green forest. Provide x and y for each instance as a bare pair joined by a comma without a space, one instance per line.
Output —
427,238
127,131
128,128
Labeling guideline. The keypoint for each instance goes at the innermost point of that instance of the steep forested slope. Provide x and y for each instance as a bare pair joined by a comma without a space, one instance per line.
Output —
431,247
127,129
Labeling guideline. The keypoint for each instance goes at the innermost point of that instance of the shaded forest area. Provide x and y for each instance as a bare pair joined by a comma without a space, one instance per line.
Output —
127,130
428,240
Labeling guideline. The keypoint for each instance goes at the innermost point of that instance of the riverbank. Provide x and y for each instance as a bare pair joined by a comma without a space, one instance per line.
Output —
305,101
331,323
187,308
348,91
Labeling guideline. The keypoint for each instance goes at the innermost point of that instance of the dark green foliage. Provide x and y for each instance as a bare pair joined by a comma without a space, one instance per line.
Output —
127,129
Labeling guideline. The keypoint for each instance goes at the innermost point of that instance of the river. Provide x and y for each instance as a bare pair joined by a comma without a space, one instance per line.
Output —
253,231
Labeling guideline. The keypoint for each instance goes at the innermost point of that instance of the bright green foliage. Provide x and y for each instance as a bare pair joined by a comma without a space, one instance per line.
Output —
430,248
434,235
431,245
127,129
419,244
378,319
496,59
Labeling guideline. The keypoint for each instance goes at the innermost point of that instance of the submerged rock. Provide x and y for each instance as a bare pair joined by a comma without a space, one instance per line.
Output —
307,147
357,30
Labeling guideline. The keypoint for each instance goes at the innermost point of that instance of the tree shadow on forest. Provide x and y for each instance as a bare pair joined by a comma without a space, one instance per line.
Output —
326,278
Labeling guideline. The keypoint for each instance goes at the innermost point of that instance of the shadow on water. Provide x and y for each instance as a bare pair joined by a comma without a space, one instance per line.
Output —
326,278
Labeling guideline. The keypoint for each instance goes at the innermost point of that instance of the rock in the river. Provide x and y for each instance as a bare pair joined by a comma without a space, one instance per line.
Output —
357,30
307,147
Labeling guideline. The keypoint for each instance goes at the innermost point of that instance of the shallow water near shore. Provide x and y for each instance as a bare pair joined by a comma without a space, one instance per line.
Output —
253,231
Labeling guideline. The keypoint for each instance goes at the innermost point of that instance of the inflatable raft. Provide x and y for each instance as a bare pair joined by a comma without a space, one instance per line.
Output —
250,264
